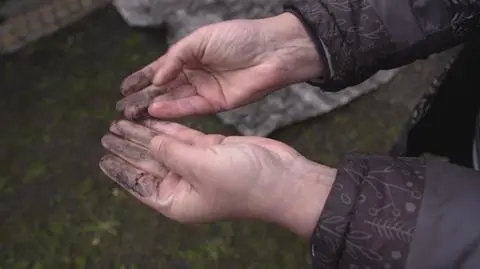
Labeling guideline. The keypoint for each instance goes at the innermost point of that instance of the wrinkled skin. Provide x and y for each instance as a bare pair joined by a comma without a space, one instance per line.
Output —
192,177
189,176
222,66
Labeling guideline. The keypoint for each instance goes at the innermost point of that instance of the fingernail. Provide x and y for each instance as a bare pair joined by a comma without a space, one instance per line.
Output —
114,128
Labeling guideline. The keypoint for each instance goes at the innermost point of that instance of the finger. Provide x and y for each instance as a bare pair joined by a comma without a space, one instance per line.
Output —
135,105
173,129
135,155
155,192
185,52
133,132
283,150
183,133
140,79
180,92
169,70
192,105
175,90
181,158
142,185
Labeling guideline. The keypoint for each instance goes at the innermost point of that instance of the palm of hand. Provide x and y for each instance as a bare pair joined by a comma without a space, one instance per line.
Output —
196,177
214,69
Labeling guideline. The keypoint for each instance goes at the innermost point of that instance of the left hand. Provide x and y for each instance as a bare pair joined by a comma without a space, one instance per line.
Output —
193,177
223,66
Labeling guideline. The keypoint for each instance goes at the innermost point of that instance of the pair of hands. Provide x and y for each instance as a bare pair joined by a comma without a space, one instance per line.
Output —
192,177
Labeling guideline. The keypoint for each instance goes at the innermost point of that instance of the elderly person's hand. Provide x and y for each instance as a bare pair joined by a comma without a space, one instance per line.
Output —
192,177
223,66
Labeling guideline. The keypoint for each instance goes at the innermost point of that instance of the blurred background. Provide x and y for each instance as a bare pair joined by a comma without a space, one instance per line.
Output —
61,63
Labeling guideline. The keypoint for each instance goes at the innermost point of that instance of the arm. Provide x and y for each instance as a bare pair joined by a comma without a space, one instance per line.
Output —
385,212
360,37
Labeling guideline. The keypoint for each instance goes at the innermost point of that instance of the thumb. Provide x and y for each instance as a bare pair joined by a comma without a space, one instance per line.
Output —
187,51
169,71
180,158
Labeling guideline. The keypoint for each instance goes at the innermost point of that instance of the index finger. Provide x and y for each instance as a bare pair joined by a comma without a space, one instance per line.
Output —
140,79
137,103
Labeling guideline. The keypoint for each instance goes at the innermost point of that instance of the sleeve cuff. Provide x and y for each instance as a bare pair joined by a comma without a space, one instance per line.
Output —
370,215
319,45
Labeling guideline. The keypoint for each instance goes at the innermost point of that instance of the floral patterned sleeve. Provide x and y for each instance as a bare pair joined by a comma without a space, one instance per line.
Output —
357,38
370,217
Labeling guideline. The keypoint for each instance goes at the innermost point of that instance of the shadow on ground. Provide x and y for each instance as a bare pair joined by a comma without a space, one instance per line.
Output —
58,211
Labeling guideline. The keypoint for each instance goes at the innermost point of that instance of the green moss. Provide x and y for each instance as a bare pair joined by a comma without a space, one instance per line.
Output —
34,172
59,211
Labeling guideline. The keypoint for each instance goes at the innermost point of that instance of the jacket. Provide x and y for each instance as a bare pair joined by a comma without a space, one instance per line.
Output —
390,211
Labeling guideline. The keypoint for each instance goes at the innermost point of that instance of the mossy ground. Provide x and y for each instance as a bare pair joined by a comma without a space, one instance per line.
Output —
57,209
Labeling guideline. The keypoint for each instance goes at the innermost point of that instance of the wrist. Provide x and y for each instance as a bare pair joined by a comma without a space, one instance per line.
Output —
297,57
305,199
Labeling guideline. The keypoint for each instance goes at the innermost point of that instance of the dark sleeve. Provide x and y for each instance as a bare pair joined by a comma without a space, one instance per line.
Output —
357,38
386,212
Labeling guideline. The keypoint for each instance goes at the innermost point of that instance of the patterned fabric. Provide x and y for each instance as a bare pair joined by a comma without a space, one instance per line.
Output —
370,216
362,37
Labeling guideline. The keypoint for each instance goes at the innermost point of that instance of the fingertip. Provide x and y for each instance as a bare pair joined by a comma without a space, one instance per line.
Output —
125,88
114,128
108,140
102,160
120,105
104,141
153,107
131,84
137,81
105,163
167,72
158,79
142,185
155,110
122,124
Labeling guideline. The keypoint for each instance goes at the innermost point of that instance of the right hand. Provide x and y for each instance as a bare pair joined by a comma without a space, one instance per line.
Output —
223,66
192,177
